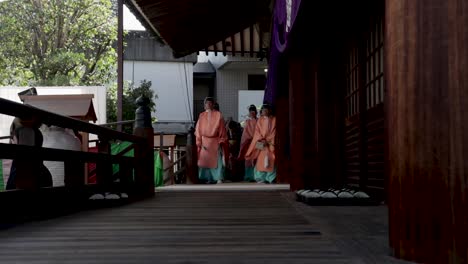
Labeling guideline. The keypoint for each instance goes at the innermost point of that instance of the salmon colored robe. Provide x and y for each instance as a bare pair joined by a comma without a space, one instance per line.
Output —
210,133
265,129
247,136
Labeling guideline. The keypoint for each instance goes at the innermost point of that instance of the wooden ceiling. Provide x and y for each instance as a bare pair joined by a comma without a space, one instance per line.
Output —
250,42
189,26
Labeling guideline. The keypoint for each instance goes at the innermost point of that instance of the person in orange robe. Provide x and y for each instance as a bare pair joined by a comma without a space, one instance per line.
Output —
262,147
247,135
210,133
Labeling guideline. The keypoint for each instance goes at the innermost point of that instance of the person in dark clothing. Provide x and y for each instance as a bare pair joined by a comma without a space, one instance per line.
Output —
235,167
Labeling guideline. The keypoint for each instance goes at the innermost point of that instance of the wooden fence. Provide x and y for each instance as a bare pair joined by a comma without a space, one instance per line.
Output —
135,177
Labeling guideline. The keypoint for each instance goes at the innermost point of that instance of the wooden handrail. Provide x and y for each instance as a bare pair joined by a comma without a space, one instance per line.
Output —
175,162
12,151
135,177
11,108
169,149
126,122
125,150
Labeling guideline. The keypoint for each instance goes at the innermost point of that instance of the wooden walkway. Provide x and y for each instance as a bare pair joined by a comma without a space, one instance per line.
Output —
223,226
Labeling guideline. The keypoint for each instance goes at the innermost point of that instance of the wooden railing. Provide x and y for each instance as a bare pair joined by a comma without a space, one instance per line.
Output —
177,154
176,168
135,173
122,124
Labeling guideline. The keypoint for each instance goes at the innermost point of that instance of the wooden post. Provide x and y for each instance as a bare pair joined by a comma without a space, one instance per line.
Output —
28,168
171,149
297,119
282,139
144,152
74,173
363,138
103,168
119,63
427,121
125,176
27,176
161,141
85,148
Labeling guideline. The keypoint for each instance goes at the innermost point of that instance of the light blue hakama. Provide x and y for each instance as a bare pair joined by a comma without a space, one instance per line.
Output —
212,174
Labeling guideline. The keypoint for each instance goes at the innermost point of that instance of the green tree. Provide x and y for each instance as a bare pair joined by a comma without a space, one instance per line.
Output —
57,42
129,106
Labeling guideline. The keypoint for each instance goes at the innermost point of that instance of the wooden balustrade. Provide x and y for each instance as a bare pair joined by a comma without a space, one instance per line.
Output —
29,200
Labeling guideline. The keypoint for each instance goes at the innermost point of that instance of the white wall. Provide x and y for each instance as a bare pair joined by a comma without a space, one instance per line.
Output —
231,77
11,93
228,85
171,81
247,98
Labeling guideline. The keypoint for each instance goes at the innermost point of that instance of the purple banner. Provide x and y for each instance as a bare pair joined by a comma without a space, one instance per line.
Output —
274,76
284,15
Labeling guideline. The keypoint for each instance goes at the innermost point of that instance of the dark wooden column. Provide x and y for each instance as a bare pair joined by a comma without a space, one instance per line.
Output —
104,168
74,173
144,152
427,121
297,122
311,124
363,138
283,169
328,106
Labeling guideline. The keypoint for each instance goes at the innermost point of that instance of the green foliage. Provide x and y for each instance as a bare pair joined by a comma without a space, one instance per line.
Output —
57,42
129,106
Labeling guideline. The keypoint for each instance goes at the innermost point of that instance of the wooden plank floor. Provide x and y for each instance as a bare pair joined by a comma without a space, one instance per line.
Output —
195,227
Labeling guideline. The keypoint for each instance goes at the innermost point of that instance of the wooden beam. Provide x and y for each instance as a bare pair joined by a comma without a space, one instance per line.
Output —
242,42
224,47
251,31
233,45
260,40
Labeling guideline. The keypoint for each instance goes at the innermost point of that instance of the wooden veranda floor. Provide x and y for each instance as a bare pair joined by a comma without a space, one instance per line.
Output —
220,225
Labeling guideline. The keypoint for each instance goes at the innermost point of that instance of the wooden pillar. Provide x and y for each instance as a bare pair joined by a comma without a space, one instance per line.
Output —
28,168
297,120
74,173
363,136
119,63
85,148
338,126
27,173
104,168
144,152
282,141
283,169
427,121
328,85
125,176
